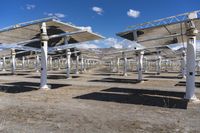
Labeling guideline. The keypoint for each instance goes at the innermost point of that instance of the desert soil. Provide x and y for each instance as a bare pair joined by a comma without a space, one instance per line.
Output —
96,102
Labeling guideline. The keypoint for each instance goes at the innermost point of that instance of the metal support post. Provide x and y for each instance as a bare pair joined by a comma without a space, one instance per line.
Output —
125,64
140,65
68,62
44,53
190,58
13,65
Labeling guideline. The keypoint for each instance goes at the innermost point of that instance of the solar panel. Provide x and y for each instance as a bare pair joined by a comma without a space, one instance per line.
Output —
5,53
31,30
164,51
176,29
164,32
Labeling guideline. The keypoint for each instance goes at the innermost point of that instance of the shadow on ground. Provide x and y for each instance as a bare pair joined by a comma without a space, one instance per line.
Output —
54,77
107,74
165,99
148,73
183,83
118,80
10,74
164,77
62,72
19,87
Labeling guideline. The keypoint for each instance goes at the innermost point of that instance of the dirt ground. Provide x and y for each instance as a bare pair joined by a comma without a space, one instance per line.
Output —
96,102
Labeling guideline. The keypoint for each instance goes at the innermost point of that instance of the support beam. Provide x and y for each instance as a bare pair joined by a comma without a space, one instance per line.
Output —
13,62
158,64
59,63
190,58
37,63
27,63
111,66
50,63
190,79
68,63
183,64
4,64
82,64
44,53
77,65
166,65
145,64
117,63
23,63
140,65
125,64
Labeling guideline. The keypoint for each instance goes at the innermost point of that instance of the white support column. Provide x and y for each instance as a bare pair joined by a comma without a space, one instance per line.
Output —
145,64
87,64
58,63
28,63
77,65
50,63
68,63
140,65
44,53
190,58
23,59
82,64
37,63
166,65
183,64
125,64
4,64
158,65
54,63
111,66
190,79
169,65
61,62
13,65
117,63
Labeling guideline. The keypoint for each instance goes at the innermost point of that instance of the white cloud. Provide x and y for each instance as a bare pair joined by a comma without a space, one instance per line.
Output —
87,46
115,43
112,42
96,41
30,6
133,13
109,42
98,10
58,15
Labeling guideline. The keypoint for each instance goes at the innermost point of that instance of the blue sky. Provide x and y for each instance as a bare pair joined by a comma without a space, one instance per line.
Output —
106,17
